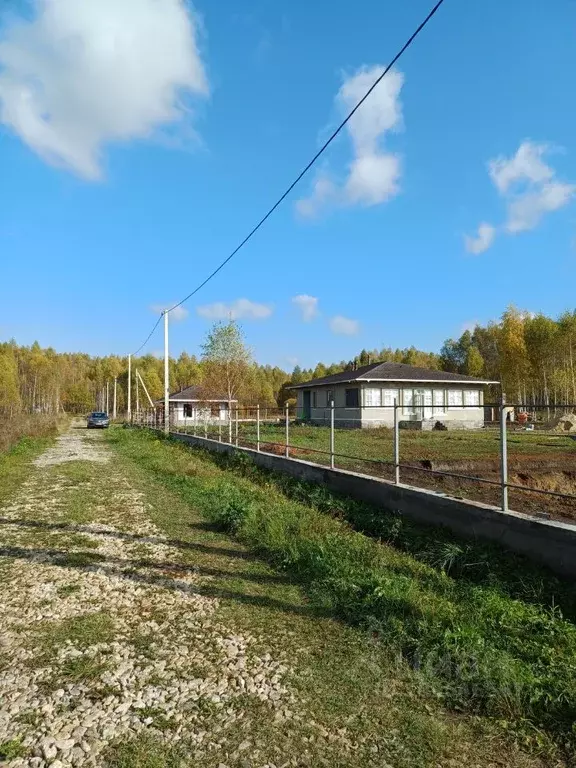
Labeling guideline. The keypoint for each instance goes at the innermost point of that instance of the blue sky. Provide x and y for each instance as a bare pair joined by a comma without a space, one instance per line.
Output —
164,148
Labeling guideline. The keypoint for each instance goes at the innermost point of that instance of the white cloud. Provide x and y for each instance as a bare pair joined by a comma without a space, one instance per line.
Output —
373,179
525,165
344,326
526,210
482,240
308,305
373,174
324,191
236,310
81,74
529,188
176,315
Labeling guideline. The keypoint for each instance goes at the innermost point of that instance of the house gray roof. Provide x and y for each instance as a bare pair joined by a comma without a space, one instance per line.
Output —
194,393
393,372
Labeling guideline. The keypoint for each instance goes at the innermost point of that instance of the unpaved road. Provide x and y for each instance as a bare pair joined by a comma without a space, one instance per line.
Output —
90,653
122,647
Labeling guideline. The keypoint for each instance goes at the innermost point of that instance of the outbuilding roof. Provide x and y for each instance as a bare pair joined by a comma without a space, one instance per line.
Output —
393,372
195,393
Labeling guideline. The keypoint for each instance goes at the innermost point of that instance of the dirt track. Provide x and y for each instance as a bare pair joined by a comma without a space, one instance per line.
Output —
96,631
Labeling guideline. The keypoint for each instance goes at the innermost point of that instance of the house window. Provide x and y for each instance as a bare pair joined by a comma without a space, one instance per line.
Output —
455,399
188,410
438,400
352,398
329,397
389,395
471,397
372,397
408,401
215,409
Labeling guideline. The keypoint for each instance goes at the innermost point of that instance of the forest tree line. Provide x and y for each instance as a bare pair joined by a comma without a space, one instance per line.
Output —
531,354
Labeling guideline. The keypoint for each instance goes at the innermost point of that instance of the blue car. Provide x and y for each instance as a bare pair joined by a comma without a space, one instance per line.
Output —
98,420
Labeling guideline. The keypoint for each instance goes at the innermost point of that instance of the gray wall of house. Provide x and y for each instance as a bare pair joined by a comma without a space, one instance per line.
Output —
419,402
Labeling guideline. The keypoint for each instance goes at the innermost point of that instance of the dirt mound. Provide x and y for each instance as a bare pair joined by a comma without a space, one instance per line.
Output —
565,423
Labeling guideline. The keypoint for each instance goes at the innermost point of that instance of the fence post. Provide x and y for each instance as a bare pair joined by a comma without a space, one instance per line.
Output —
258,427
287,449
220,429
229,423
236,426
503,454
396,444
331,434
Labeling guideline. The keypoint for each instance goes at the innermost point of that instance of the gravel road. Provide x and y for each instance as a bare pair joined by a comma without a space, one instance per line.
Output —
100,637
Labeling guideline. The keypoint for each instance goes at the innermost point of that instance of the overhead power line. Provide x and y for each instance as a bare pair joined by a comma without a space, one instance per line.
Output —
305,170
141,347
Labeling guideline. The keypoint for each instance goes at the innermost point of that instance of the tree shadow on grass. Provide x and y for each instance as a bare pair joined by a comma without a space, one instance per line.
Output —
164,575
137,538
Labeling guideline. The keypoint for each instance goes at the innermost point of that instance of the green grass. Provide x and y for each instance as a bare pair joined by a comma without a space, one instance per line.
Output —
11,750
147,751
485,645
83,669
377,444
78,559
81,631
15,463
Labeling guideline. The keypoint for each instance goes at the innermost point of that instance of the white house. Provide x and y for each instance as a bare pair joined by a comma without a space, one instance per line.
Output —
365,398
189,406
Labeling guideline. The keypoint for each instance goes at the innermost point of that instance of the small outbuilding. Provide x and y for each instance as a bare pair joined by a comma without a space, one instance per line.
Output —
365,397
190,406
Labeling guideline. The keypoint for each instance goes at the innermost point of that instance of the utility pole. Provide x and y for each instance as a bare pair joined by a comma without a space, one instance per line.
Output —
137,396
166,377
129,387
115,387
107,397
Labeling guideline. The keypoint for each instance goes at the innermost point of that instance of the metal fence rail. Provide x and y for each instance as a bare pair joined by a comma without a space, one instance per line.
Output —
251,426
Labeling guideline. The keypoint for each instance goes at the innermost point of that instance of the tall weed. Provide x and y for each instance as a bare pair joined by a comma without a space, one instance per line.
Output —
14,428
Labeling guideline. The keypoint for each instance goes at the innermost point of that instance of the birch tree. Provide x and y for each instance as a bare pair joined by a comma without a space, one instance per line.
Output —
226,360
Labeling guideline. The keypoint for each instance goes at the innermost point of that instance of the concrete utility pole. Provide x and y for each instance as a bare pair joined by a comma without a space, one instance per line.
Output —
114,402
166,377
137,396
129,387
107,397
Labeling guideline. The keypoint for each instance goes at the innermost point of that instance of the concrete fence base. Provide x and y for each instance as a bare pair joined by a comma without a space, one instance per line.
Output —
546,542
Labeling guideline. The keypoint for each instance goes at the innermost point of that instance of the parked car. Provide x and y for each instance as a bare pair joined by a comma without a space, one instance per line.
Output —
98,420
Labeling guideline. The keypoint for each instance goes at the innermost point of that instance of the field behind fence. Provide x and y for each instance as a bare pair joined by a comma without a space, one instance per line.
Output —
527,467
